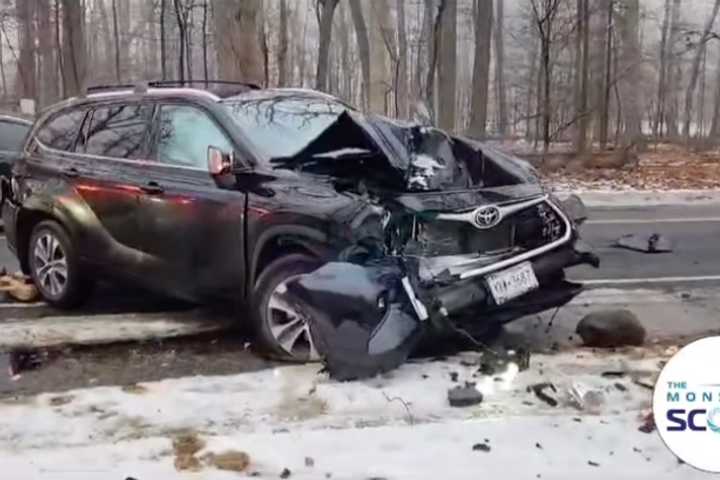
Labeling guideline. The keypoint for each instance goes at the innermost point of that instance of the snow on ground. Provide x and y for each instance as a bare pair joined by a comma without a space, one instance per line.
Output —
398,425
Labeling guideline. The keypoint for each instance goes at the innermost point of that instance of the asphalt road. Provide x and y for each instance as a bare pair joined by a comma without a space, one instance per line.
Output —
694,231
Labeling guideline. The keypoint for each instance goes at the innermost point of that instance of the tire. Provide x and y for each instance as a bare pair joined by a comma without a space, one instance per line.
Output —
50,237
267,322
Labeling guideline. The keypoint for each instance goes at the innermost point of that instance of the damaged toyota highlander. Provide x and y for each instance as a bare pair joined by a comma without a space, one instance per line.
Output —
347,236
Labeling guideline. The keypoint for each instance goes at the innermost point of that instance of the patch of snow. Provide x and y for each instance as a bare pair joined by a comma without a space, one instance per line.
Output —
639,198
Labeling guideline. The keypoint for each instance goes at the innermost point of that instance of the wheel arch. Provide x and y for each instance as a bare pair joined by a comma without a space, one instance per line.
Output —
26,221
285,240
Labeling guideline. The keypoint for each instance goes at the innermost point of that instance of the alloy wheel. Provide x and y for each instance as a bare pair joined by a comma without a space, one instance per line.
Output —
289,327
50,265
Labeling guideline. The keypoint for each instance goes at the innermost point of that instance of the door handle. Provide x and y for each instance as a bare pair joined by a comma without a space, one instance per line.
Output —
71,172
152,188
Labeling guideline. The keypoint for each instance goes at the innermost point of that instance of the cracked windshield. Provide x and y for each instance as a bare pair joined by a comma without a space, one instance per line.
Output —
359,239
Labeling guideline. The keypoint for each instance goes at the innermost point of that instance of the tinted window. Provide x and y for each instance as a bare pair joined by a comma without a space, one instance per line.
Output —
12,136
185,135
117,131
61,130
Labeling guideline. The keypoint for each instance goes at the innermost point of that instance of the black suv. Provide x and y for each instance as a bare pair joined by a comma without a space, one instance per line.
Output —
229,191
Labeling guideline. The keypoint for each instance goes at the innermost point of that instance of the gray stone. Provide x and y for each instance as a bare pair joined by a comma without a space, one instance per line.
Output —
611,328
464,396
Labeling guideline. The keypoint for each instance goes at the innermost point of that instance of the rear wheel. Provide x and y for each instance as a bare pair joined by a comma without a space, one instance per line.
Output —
280,329
55,267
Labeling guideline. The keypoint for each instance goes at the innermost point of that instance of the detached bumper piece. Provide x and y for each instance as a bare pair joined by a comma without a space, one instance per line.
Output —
367,319
361,318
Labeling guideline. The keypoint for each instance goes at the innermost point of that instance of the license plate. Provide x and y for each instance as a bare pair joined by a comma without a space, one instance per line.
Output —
512,283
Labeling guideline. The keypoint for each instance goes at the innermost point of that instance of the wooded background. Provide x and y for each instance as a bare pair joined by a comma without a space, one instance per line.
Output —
591,72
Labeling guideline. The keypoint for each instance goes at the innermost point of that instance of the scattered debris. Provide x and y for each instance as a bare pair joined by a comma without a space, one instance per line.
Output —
620,387
481,447
18,286
309,462
611,328
231,460
648,425
539,390
655,243
538,446
134,388
453,376
593,464
464,396
185,447
61,400
23,360
643,384
285,473
613,374
584,398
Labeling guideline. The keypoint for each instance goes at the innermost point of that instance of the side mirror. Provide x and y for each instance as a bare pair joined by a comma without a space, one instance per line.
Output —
219,162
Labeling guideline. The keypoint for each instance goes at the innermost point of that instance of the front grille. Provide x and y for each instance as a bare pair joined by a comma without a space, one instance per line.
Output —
525,230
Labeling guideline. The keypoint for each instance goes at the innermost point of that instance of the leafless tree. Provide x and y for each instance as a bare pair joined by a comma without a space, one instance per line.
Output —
325,10
483,15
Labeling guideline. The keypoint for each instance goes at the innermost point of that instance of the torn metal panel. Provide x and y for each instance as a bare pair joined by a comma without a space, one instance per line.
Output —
361,318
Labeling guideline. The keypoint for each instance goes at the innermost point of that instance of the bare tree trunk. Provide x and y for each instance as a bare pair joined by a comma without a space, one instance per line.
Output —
363,44
116,36
447,68
483,13
584,123
715,124
2,61
326,11
204,41
674,72
433,48
605,98
659,125
344,73
238,25
74,51
181,30
422,54
401,90
530,113
382,55
48,70
302,50
26,84
631,87
163,46
500,68
59,51
283,44
695,69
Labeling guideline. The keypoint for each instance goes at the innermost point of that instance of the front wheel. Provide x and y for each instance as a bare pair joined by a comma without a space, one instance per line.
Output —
282,330
54,266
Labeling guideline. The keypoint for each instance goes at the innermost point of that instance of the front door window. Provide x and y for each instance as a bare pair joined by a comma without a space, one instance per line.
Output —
185,135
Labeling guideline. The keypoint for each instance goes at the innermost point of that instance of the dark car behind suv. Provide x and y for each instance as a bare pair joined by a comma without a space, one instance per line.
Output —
228,194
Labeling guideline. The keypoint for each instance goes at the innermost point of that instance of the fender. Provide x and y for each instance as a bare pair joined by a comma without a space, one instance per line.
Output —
307,238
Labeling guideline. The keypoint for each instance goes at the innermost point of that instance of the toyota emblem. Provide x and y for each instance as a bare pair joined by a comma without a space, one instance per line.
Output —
487,217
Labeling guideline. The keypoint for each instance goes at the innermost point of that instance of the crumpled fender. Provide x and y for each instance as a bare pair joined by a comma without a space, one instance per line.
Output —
360,317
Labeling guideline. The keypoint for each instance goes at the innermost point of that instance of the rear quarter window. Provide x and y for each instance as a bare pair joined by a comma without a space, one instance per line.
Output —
60,131
12,136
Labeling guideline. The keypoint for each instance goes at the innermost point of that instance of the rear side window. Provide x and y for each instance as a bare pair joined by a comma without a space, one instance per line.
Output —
117,131
12,136
61,130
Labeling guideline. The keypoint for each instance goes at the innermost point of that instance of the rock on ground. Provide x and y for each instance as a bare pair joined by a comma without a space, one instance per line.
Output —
611,328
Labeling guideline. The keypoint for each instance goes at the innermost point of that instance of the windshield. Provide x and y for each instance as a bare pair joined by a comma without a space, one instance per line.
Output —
283,126
12,136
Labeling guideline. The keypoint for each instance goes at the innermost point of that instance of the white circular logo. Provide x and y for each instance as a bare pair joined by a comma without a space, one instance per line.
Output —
486,217
686,404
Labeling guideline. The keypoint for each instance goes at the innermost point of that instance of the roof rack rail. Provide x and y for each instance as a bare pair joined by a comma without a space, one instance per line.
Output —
108,88
205,83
